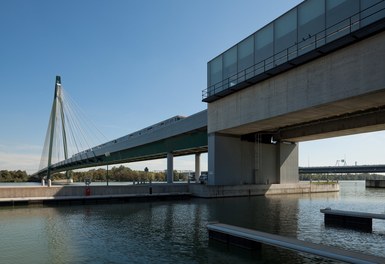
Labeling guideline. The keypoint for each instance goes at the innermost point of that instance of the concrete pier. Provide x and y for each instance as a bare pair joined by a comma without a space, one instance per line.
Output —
375,183
197,166
350,219
170,167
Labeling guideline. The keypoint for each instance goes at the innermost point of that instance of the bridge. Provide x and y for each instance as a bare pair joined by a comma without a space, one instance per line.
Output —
315,72
343,169
176,136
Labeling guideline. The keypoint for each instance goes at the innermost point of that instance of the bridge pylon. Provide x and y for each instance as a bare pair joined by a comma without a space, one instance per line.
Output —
56,106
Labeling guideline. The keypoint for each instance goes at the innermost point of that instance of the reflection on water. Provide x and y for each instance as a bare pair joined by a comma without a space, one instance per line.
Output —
165,232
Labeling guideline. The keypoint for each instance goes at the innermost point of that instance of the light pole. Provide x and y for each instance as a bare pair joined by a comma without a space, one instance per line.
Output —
107,154
107,175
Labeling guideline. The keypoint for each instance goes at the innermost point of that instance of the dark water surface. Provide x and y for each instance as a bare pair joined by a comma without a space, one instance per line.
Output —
175,231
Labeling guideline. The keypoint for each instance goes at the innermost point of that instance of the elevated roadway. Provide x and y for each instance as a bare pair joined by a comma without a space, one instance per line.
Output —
260,113
176,136
343,169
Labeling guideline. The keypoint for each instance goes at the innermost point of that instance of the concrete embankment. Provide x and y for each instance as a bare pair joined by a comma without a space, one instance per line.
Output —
375,183
159,191
89,194
207,191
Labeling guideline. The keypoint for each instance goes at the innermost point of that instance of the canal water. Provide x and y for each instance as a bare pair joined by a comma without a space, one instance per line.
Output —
175,232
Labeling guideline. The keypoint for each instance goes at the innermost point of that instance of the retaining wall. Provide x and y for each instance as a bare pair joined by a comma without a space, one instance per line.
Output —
210,191
76,192
57,193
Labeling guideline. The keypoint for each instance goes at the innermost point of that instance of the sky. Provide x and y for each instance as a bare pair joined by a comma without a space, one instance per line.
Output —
129,64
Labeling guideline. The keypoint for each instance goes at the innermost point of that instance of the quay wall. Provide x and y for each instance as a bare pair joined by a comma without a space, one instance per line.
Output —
76,192
213,191
152,191
375,183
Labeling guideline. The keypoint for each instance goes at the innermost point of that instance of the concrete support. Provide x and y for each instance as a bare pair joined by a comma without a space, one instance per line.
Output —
232,161
197,166
170,167
288,163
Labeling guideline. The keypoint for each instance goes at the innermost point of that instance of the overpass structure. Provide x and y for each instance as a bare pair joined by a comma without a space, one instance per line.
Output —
315,72
343,169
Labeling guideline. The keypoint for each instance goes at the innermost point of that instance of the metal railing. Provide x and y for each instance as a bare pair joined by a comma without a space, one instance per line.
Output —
311,43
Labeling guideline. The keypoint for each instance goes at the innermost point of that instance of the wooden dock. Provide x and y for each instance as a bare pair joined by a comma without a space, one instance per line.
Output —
350,219
247,237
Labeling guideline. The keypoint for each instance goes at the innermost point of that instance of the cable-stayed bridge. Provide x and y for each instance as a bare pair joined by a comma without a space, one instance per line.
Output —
176,136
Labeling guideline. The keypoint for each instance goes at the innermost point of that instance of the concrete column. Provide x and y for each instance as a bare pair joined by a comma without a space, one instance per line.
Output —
288,163
211,159
230,160
197,166
170,167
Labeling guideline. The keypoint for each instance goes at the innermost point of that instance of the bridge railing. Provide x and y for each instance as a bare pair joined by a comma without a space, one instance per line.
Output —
299,52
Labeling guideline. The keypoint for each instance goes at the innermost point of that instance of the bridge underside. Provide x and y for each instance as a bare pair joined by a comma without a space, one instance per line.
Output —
322,122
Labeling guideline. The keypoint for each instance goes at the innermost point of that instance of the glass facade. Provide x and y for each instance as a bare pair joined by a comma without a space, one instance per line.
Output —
246,56
285,36
311,21
264,48
308,26
230,69
372,10
215,70
341,18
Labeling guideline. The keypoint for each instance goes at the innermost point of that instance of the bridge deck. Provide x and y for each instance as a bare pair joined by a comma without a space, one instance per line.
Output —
233,234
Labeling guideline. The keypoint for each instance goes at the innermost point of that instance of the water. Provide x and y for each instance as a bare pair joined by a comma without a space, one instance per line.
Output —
175,232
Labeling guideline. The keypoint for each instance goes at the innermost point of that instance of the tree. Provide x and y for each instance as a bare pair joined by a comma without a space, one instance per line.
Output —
13,176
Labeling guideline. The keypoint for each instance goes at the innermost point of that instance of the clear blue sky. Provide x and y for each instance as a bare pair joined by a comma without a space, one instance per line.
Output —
128,64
